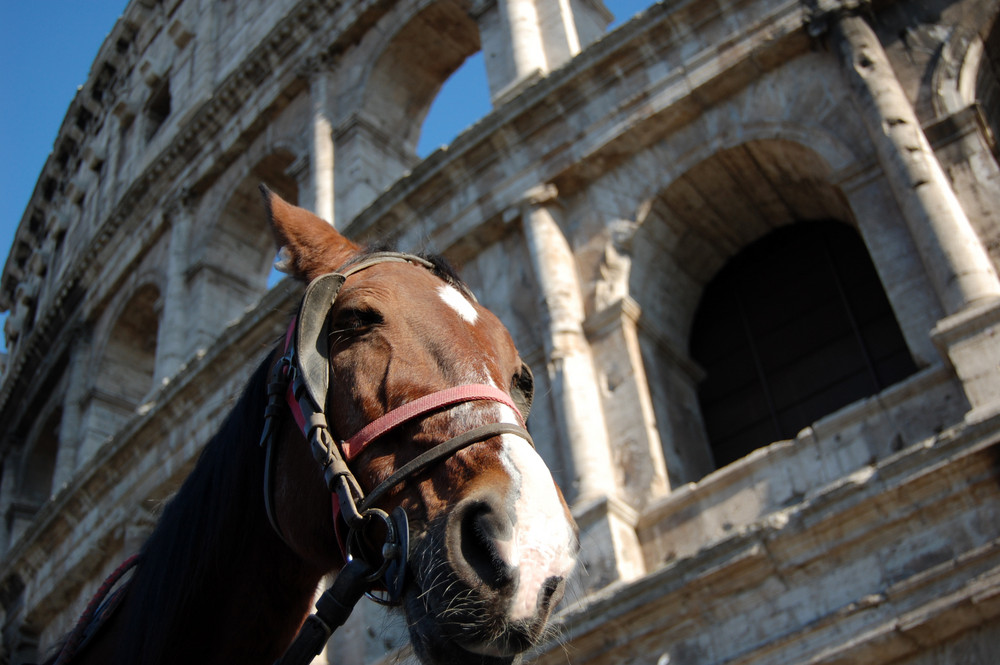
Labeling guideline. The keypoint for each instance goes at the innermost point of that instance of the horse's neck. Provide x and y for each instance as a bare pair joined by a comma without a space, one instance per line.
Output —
256,607
242,604
216,584
247,614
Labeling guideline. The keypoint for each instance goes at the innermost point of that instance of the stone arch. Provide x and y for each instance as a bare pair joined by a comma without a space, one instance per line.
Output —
686,235
124,368
378,129
717,207
233,254
410,70
835,140
241,241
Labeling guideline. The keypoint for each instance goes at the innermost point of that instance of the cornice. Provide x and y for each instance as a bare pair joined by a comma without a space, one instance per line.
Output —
559,93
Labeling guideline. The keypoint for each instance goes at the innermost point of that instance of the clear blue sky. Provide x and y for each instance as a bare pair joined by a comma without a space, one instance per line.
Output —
47,47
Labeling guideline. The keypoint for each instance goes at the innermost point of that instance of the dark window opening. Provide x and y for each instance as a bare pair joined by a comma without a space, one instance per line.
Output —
83,118
793,328
157,109
988,88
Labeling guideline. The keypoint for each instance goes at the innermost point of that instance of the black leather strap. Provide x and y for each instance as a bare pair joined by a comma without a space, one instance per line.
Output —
425,459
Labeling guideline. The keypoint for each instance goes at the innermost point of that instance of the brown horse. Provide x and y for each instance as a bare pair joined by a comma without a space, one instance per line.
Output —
491,539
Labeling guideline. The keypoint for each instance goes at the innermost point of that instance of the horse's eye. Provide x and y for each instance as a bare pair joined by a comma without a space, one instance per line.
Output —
357,320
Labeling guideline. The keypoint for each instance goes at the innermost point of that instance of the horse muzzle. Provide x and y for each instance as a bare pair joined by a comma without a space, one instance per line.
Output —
492,569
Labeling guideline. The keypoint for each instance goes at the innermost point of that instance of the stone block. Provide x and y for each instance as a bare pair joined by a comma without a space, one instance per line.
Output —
970,340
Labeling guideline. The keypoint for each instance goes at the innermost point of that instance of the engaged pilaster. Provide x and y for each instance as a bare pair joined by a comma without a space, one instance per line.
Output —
567,353
609,545
321,149
173,332
954,257
72,425
958,265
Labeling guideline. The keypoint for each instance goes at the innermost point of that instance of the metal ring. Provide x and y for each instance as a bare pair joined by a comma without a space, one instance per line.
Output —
354,541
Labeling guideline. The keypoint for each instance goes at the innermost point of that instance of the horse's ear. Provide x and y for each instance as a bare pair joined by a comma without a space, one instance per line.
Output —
307,246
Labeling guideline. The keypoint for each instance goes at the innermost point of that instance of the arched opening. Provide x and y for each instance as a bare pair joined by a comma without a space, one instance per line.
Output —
687,233
33,470
796,326
463,99
126,369
235,255
39,466
241,244
124,375
377,141
988,86
411,70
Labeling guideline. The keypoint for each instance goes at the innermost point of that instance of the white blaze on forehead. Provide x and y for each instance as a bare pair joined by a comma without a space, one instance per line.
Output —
542,545
454,299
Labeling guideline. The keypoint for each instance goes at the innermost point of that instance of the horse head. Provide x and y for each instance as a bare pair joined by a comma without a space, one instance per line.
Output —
491,539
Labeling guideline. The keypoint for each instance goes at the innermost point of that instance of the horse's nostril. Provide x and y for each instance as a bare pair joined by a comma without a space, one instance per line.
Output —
485,534
550,594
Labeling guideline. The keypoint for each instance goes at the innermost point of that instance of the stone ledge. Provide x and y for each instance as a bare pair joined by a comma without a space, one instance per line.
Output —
777,476
931,602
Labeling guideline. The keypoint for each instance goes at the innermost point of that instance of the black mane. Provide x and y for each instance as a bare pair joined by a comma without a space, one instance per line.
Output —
215,512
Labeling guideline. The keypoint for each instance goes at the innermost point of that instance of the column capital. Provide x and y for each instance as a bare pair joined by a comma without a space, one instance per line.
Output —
820,13
181,202
314,66
540,195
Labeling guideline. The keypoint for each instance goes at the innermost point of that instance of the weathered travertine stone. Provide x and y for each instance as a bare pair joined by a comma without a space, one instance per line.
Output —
615,177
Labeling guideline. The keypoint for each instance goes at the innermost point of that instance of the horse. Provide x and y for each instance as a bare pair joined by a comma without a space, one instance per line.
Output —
412,399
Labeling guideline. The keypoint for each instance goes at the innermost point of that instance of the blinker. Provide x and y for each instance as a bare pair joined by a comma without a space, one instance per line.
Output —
312,333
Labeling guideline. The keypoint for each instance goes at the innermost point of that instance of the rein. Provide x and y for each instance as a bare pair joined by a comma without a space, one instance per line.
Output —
299,381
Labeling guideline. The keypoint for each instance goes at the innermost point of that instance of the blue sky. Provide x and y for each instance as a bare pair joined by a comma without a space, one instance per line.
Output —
47,47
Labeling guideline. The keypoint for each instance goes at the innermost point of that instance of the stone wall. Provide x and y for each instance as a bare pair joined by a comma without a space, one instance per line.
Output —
616,177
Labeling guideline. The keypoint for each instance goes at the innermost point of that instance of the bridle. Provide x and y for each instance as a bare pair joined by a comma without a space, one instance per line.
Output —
299,381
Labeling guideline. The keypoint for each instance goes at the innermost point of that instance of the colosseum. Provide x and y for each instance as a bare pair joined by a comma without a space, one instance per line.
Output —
749,247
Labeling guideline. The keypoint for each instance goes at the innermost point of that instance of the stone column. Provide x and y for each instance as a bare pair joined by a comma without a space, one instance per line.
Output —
520,18
579,411
321,157
174,333
955,260
952,253
71,426
525,39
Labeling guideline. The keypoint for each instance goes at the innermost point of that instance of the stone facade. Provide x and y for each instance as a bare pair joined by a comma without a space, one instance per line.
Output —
597,209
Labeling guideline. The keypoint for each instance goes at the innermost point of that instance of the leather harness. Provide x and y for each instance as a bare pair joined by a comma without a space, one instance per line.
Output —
300,382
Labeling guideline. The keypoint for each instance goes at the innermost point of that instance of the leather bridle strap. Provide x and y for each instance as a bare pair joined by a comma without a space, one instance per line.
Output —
449,447
422,406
